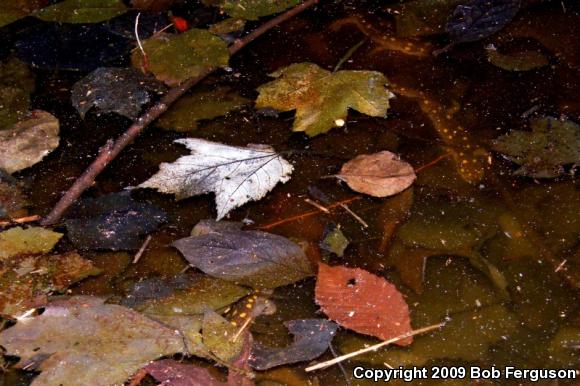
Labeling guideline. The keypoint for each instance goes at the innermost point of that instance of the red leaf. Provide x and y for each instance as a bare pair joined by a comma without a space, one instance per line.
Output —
363,302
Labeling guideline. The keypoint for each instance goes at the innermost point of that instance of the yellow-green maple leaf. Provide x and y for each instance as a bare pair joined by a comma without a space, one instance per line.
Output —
322,98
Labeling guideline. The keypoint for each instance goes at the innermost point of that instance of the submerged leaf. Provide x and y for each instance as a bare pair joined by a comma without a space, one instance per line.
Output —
92,343
114,221
544,151
519,61
173,373
334,240
111,89
254,258
381,174
184,294
363,302
322,98
424,17
252,9
311,339
219,337
19,241
28,141
25,281
175,58
16,84
82,11
187,111
235,174
479,19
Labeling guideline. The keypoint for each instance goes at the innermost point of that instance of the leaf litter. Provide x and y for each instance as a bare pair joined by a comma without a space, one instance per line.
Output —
84,339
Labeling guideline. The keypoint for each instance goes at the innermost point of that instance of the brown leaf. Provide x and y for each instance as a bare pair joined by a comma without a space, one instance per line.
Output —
380,174
363,302
83,339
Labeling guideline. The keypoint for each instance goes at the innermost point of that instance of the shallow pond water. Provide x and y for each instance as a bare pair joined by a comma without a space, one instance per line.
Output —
436,241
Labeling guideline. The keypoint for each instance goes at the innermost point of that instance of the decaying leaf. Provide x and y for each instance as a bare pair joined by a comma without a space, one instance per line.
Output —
235,174
187,111
219,337
518,61
544,151
16,84
381,174
478,19
25,281
28,141
173,373
227,26
334,240
254,258
175,58
311,339
85,340
423,17
20,241
363,302
114,90
10,11
82,11
13,200
252,9
322,98
114,221
184,294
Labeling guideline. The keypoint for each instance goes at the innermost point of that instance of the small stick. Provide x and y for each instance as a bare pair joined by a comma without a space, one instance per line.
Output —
356,216
316,205
142,249
559,267
375,347
104,158
20,220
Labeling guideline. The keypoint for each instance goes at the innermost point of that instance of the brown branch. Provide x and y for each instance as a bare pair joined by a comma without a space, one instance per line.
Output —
112,149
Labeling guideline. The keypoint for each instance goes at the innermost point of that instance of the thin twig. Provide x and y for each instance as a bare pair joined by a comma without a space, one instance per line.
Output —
356,216
20,220
106,156
141,250
375,347
316,205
